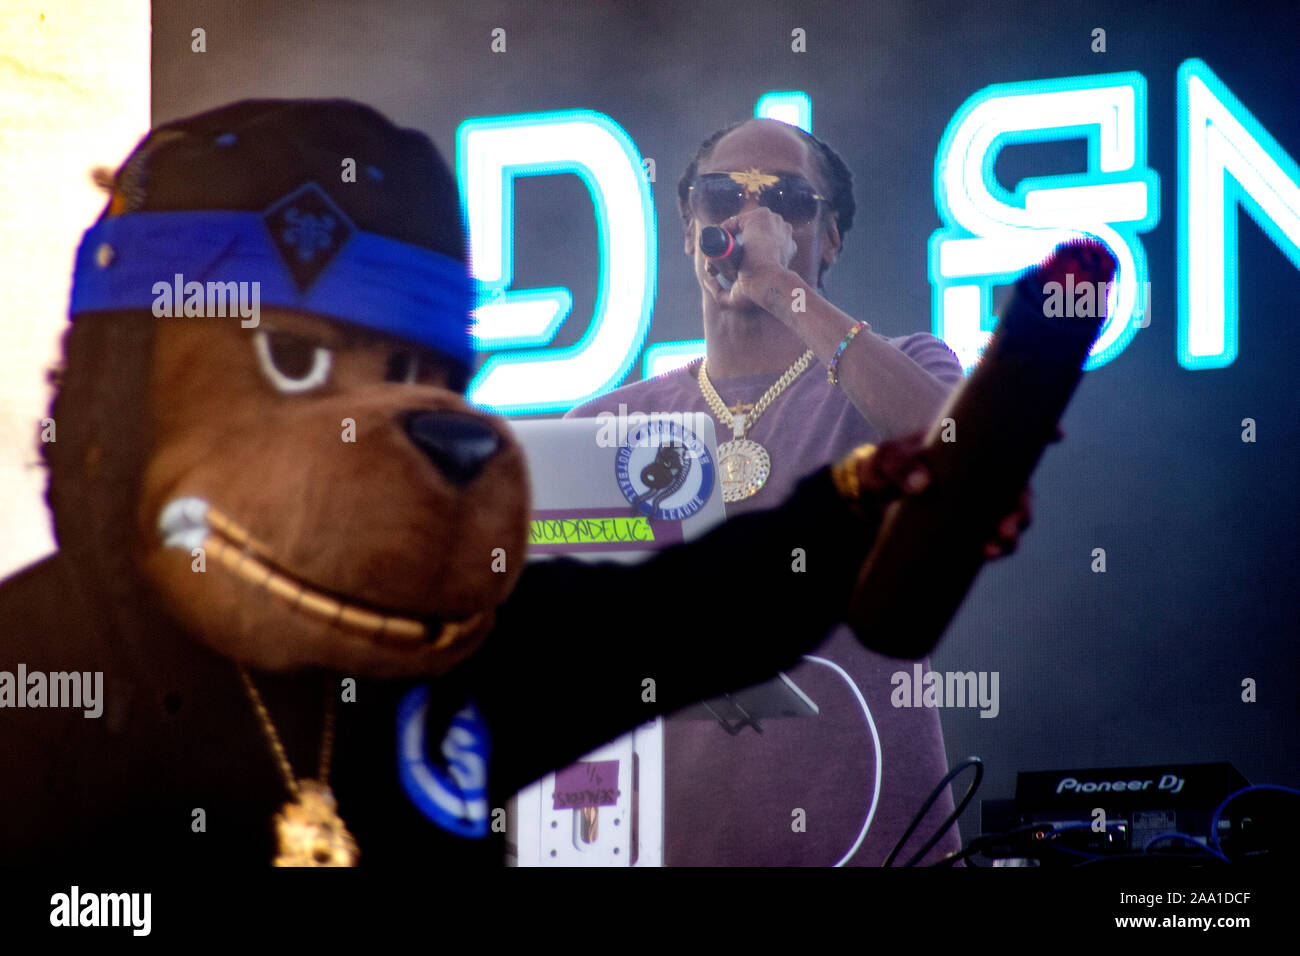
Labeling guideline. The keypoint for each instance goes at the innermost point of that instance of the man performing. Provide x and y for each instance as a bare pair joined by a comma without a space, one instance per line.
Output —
787,199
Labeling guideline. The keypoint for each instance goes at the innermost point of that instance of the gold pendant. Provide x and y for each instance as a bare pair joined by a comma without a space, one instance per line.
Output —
744,466
310,831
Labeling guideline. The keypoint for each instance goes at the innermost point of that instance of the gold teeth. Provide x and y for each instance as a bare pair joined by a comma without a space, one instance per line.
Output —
243,555
451,632
233,533
253,570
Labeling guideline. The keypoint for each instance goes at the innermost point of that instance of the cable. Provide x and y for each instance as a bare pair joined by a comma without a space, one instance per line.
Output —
1214,820
1051,843
952,817
952,858
977,844
1183,836
875,738
957,811
984,840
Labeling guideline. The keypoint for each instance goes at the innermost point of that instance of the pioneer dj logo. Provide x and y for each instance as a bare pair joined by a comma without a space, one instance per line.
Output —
1168,783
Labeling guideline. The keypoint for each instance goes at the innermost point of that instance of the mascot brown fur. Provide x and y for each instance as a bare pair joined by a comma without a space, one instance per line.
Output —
213,524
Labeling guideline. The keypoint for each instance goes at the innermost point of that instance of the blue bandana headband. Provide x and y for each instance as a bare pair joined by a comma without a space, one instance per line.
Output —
305,255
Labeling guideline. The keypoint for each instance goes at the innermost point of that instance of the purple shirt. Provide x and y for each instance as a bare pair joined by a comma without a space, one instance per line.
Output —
733,800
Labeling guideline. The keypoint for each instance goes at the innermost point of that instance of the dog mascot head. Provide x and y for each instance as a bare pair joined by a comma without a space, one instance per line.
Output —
262,430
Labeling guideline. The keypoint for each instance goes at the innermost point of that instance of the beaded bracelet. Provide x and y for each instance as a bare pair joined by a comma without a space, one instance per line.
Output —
831,370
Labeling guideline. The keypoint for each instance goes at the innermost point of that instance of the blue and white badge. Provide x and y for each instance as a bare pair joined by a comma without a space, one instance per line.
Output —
664,470
453,795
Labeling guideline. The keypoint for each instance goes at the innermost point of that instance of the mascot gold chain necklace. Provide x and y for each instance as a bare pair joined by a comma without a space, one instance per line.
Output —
308,828
744,463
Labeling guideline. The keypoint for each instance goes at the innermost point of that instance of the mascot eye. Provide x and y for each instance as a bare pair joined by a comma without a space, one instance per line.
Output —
290,363
402,367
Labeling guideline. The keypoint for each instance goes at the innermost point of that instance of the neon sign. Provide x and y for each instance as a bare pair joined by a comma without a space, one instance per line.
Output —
490,153
1225,158
989,234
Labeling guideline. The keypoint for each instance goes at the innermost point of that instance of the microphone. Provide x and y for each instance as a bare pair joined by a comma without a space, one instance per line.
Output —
721,247
931,546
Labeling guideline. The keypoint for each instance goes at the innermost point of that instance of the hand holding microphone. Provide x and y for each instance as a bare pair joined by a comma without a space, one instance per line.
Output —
722,248
743,246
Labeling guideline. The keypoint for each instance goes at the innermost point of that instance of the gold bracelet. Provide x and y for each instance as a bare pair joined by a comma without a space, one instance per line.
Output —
832,370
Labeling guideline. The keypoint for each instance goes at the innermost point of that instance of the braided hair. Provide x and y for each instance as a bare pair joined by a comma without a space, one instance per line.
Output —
839,181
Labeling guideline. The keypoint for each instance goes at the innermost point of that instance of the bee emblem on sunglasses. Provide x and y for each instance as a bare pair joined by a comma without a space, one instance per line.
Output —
754,181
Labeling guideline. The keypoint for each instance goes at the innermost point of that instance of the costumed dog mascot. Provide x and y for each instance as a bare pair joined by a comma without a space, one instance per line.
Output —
296,555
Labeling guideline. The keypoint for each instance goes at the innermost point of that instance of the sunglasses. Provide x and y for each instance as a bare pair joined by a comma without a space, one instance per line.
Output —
716,197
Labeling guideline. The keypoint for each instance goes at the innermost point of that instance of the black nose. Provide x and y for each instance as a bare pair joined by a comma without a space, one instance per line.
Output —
457,444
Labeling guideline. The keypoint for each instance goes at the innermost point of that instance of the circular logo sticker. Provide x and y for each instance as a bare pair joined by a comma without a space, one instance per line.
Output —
664,470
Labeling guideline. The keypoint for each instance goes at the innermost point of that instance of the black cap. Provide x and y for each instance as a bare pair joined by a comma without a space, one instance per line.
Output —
316,173
251,154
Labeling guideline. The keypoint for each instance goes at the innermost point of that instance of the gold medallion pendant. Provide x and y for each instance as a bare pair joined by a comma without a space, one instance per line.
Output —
744,466
310,831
